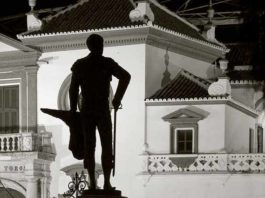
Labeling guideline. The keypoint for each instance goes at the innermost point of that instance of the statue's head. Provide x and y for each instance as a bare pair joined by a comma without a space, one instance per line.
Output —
95,43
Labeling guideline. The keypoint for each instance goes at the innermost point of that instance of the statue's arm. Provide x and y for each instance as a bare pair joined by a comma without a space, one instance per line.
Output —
124,80
74,90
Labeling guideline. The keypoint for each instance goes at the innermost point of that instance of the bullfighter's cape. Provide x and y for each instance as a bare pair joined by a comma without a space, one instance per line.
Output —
76,142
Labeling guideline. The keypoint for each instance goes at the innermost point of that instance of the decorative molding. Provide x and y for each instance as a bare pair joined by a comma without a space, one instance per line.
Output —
220,88
142,12
33,23
184,115
124,35
245,82
187,100
186,37
243,108
205,163
207,101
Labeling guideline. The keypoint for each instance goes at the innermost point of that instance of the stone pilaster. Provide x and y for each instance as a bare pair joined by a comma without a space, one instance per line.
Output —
32,187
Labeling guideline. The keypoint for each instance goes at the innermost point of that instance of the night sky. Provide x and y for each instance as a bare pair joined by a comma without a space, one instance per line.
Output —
13,7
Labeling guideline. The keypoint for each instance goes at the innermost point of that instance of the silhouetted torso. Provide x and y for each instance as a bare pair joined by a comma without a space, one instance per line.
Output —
93,73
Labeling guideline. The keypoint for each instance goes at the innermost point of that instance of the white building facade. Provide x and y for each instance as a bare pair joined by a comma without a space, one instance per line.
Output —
179,134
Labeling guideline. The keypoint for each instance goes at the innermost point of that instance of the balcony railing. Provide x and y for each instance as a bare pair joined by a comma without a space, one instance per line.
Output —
19,142
204,163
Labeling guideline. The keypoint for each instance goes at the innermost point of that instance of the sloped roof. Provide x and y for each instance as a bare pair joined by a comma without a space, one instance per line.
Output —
184,85
14,44
170,21
101,14
89,15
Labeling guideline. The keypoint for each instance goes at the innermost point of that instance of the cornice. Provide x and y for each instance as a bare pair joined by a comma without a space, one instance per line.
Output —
76,40
16,44
180,101
185,45
245,82
150,34
204,101
243,108
18,58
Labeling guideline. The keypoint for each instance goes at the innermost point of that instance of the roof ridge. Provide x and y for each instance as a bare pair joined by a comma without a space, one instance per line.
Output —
196,79
174,14
67,9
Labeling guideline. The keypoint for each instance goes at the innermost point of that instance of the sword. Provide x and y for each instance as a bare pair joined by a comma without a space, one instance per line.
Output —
114,142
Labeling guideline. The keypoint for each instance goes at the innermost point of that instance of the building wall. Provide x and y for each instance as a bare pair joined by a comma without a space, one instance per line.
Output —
244,94
237,126
155,67
130,120
210,128
204,185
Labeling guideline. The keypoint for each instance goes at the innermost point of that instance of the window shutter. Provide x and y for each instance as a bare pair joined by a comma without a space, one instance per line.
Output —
9,113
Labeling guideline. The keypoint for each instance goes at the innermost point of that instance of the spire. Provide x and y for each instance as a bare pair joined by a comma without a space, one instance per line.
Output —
32,4
209,28
166,75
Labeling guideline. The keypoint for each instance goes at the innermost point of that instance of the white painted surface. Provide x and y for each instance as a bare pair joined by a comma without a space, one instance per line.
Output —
130,120
205,186
210,128
237,126
155,67
6,48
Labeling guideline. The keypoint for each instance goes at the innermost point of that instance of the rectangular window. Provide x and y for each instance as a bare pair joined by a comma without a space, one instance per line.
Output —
260,139
184,141
9,109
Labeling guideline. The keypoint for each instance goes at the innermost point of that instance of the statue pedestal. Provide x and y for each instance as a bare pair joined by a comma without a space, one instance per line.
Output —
102,194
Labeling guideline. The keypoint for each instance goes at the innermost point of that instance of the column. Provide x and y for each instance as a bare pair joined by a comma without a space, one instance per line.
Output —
32,188
45,187
31,77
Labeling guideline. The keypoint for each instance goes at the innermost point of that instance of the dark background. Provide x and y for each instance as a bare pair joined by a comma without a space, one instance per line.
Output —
246,40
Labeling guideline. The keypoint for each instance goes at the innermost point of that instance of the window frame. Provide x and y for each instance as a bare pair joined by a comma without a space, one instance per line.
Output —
260,136
174,127
176,141
185,118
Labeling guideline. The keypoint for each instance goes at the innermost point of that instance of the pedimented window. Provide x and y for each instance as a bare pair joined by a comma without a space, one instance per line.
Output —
184,129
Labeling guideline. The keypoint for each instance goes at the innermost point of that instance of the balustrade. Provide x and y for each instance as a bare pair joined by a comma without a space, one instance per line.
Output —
10,142
17,142
205,163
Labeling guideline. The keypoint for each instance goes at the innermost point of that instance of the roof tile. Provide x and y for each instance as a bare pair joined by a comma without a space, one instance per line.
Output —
184,85
99,14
